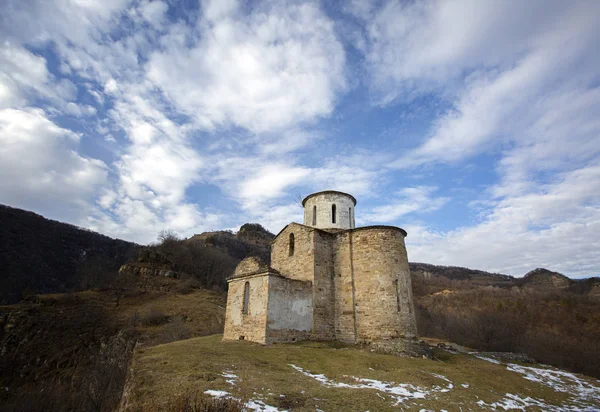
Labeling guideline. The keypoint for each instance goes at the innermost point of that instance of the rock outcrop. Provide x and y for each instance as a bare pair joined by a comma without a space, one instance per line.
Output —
151,263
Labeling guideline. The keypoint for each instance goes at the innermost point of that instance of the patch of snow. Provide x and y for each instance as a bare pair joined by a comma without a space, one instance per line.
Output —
464,385
230,377
485,358
560,381
257,405
399,391
251,405
217,394
442,377
584,394
512,402
582,391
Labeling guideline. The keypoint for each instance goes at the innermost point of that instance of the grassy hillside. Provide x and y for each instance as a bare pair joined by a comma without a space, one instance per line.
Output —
330,377
67,352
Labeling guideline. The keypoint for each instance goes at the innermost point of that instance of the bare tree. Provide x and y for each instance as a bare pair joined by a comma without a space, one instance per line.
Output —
167,235
297,199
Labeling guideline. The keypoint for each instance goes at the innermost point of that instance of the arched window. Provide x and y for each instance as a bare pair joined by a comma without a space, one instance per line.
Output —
333,213
291,244
397,294
246,298
314,216
350,217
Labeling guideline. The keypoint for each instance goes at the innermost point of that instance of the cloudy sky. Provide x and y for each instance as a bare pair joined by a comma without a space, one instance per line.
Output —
474,125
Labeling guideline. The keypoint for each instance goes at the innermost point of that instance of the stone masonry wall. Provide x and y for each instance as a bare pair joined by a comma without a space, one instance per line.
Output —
344,297
383,294
300,265
323,290
250,266
253,325
290,310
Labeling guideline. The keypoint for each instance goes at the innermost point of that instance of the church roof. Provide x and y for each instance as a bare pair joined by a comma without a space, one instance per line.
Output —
329,191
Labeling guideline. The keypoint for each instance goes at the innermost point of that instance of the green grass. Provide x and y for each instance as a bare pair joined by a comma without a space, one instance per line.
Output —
264,373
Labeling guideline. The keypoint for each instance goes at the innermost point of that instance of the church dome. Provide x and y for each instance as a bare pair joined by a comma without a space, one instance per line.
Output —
329,209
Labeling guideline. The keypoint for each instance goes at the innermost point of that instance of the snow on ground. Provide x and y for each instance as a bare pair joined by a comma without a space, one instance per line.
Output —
229,376
512,402
251,405
584,394
217,394
258,405
560,381
399,391
485,358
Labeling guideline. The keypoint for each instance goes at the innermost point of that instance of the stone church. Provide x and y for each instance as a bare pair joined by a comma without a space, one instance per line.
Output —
328,280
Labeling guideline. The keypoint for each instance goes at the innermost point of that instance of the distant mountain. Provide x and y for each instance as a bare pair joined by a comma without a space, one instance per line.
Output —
545,278
540,278
478,277
43,256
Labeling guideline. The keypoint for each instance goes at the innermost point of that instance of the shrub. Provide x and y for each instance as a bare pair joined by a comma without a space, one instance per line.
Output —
153,317
558,327
175,330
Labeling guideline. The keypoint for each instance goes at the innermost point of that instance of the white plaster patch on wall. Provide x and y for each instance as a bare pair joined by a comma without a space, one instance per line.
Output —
302,307
290,305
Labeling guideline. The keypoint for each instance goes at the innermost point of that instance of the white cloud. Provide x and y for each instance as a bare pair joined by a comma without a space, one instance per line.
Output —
154,12
24,77
422,46
510,81
218,9
266,71
521,81
158,173
21,73
269,182
408,200
556,227
41,169
237,96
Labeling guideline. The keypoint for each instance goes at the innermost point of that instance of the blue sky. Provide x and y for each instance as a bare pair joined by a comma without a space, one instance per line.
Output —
473,125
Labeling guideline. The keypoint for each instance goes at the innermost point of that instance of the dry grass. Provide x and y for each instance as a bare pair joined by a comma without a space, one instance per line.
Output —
265,373
192,401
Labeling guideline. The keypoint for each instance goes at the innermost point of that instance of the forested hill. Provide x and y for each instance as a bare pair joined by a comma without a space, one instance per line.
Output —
39,255
42,255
